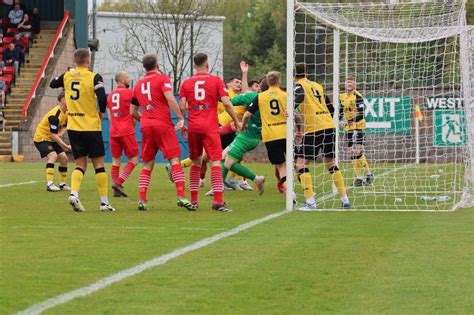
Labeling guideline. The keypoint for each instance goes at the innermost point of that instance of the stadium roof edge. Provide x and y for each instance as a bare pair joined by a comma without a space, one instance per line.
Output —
149,15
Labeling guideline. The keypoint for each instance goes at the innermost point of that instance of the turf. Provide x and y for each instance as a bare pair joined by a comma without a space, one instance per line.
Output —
323,262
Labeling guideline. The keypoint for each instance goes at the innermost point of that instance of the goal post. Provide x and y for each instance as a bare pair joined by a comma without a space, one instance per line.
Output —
413,65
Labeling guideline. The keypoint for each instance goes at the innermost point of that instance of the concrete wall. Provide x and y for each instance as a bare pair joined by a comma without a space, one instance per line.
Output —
112,35
49,99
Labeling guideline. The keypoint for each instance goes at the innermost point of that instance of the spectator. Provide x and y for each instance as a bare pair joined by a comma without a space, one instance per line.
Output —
22,6
3,87
21,47
1,38
11,57
35,21
25,27
15,15
3,121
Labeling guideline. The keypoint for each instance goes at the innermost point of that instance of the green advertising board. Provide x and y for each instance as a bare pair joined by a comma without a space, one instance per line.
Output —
388,115
449,128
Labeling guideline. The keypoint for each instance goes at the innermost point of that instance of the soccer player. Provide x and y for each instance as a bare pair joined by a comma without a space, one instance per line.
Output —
153,93
272,107
47,140
83,89
246,140
234,87
352,119
319,135
202,92
122,132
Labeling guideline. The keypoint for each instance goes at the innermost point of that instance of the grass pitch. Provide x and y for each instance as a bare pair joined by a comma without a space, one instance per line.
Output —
320,262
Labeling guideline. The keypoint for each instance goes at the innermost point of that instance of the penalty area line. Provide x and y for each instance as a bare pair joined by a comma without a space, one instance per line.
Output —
130,272
17,184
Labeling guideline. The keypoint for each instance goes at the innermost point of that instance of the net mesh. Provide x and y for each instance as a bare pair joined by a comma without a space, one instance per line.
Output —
404,57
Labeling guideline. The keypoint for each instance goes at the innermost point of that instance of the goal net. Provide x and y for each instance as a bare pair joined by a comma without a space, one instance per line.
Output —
400,78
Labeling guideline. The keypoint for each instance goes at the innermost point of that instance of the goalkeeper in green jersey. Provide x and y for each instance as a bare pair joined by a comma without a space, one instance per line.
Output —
245,142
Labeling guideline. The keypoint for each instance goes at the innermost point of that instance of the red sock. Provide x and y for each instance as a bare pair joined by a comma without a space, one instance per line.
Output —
203,170
143,182
194,182
127,170
178,178
114,172
217,184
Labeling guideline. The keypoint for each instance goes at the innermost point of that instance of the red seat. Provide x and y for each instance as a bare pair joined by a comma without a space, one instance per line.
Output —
12,30
5,21
8,70
8,77
7,40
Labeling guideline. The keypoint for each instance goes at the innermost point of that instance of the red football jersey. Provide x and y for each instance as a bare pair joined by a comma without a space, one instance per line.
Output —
118,103
149,92
203,91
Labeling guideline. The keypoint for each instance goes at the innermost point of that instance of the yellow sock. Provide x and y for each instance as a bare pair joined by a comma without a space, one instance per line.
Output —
363,162
101,182
307,184
186,163
76,179
49,172
338,180
356,165
62,174
232,175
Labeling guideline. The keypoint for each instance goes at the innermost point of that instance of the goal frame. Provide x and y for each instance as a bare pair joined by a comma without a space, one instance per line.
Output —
466,35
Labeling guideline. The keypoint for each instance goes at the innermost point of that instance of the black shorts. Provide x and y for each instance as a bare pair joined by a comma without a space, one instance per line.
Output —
276,151
227,139
323,140
46,147
86,143
355,136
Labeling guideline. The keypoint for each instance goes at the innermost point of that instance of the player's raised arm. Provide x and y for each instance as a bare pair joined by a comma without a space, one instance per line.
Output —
244,67
57,82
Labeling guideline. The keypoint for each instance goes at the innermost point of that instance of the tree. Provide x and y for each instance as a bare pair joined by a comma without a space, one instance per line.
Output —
175,27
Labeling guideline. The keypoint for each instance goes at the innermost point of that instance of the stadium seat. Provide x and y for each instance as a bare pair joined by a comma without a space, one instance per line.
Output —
7,40
12,30
8,70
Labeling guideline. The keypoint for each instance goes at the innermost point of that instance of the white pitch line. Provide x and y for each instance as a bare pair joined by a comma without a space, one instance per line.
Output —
17,184
127,273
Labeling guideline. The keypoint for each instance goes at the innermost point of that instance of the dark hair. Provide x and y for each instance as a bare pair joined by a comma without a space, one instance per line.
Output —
252,82
61,96
300,70
149,61
81,55
199,59
264,84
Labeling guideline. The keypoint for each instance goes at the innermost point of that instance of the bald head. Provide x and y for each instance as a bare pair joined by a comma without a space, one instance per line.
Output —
122,78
